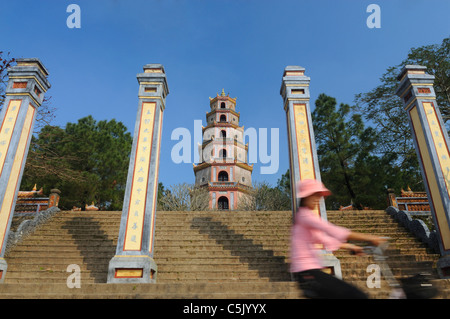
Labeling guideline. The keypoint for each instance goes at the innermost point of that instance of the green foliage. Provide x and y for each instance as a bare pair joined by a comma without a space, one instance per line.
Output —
345,151
284,184
161,193
88,161
351,166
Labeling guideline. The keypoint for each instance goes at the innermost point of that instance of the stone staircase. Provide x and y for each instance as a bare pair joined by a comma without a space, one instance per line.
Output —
220,255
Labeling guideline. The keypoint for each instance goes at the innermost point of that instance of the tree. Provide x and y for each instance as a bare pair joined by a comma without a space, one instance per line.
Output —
47,163
284,184
161,194
336,142
184,197
265,197
88,161
345,149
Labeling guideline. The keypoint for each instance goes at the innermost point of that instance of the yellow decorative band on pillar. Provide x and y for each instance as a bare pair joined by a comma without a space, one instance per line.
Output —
12,187
436,199
305,157
138,195
439,142
7,129
304,148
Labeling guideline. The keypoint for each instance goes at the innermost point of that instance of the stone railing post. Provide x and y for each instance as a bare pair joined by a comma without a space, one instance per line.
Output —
53,198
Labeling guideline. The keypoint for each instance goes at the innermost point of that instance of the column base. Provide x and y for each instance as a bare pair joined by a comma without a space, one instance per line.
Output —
443,267
132,269
332,263
3,267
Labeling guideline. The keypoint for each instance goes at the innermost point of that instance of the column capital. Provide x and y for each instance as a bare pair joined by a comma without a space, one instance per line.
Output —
28,77
413,74
413,71
294,85
414,84
295,74
154,73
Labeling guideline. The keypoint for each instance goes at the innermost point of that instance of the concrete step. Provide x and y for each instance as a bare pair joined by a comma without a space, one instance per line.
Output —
238,290
199,255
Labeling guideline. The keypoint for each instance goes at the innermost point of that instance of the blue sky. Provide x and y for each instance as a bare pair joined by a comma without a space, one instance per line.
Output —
242,46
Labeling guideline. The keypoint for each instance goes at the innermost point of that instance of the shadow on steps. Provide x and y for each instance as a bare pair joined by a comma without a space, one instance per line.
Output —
94,245
255,255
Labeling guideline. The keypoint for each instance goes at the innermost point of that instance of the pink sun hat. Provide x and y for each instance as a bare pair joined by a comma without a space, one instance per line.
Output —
308,187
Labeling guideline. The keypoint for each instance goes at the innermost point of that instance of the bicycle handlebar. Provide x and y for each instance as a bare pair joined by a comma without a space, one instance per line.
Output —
377,251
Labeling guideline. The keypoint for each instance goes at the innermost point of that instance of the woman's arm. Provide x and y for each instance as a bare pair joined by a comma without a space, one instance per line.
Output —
356,249
376,240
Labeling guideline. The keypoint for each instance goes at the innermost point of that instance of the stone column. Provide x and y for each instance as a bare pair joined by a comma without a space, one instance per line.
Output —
303,159
133,262
27,83
432,146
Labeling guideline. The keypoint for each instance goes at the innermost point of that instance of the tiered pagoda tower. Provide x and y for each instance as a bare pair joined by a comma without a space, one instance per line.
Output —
223,154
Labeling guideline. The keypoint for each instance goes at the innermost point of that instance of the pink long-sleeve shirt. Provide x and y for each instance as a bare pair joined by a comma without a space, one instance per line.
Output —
308,231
